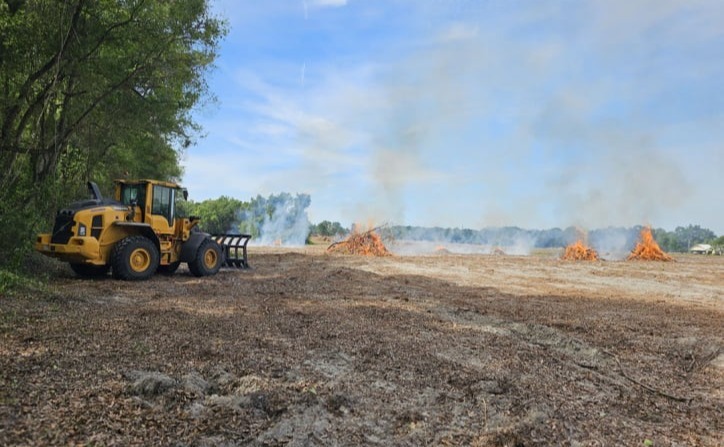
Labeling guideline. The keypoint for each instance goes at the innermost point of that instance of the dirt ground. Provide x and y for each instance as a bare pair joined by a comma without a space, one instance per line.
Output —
314,349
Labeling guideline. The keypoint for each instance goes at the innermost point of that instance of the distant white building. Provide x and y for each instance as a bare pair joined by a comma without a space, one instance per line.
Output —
701,249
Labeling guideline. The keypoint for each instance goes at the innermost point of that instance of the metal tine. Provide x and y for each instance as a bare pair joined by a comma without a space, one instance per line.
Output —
234,247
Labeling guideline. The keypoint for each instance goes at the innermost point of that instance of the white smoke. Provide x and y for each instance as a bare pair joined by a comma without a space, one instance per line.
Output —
491,114
424,240
613,243
279,220
286,227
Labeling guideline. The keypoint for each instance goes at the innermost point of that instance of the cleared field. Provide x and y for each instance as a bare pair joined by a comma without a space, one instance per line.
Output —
314,349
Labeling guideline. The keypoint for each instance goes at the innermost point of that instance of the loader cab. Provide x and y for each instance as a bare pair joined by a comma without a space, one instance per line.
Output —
153,202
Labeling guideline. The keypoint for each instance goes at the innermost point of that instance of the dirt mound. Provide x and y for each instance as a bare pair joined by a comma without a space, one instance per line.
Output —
647,249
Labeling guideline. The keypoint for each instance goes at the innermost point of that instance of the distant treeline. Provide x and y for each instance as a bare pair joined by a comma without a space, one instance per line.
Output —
679,240
605,239
282,218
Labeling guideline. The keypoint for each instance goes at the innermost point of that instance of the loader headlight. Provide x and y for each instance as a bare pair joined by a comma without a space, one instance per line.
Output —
81,230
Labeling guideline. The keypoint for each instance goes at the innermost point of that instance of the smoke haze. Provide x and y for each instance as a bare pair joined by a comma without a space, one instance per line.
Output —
280,220
476,114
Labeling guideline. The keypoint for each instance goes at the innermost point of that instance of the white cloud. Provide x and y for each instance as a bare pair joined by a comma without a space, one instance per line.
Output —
319,4
459,31
327,3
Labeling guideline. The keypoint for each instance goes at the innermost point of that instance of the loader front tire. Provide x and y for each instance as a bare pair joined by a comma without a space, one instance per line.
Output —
208,259
90,270
134,258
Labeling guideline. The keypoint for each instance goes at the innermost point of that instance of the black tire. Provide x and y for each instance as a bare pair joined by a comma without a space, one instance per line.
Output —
169,269
134,258
90,270
208,259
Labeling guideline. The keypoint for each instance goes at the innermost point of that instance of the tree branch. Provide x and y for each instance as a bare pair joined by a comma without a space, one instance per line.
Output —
13,111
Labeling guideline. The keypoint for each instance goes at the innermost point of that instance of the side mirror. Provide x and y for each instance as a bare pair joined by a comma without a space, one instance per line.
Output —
185,193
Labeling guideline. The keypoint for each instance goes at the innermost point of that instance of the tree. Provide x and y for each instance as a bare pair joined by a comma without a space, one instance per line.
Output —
692,235
329,229
668,241
217,216
279,218
95,89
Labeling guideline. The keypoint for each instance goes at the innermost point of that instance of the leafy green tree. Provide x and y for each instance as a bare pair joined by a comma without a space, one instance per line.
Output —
327,228
268,219
279,217
94,89
668,241
691,235
217,216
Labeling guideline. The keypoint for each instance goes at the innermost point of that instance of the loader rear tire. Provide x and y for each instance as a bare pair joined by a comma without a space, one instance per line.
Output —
90,270
134,258
208,259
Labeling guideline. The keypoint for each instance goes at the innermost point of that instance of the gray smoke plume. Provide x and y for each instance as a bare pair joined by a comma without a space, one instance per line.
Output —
494,114
279,220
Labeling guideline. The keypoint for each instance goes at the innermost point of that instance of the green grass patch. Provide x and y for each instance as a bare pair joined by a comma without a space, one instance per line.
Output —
11,282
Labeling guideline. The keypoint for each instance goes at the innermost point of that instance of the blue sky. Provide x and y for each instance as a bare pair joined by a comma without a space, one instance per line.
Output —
471,113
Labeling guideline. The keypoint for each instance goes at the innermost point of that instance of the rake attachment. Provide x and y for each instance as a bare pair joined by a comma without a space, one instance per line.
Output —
234,247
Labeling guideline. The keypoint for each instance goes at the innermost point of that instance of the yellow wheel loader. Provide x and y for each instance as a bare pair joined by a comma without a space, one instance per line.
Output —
136,234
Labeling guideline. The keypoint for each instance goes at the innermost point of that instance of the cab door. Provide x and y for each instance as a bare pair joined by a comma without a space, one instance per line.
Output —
162,209
162,220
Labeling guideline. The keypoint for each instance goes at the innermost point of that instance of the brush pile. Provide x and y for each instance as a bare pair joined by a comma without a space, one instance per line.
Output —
367,243
580,252
647,249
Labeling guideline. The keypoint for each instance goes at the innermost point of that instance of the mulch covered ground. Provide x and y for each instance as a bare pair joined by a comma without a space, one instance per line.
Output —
309,349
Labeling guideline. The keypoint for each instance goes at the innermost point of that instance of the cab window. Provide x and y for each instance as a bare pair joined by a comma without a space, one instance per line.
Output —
131,194
163,202
180,206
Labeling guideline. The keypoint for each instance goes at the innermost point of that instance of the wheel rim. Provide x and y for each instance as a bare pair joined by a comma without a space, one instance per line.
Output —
210,258
140,260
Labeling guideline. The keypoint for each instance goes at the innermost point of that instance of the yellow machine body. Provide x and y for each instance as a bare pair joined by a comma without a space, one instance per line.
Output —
135,233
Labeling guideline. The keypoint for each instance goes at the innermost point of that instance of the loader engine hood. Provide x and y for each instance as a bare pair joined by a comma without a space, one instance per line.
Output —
97,200
64,219
88,204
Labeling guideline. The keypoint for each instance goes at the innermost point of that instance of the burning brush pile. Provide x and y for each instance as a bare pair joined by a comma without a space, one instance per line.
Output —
367,243
647,249
580,252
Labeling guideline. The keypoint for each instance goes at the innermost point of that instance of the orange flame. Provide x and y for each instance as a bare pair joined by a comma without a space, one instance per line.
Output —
647,249
580,252
441,250
366,243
